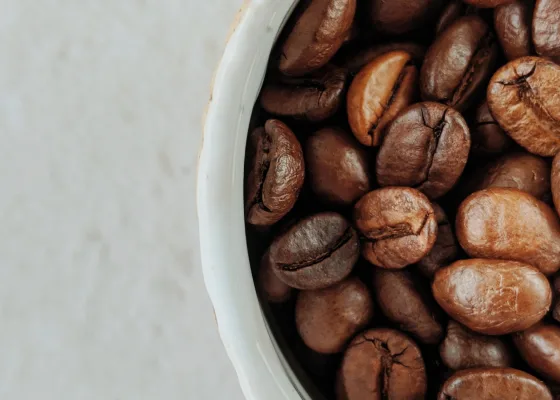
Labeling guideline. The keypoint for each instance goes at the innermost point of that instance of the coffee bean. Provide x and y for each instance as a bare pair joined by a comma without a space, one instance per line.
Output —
401,16
356,61
486,3
493,384
540,347
318,33
425,147
492,296
556,289
315,253
276,173
488,138
555,182
458,63
312,98
513,23
382,364
337,166
398,224
378,93
546,28
272,288
406,306
445,249
523,98
327,318
463,348
509,224
454,10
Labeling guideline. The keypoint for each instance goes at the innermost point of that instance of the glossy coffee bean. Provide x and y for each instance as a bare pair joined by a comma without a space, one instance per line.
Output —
555,182
411,310
327,319
463,349
513,24
337,166
276,173
382,364
445,249
493,384
454,10
272,288
313,98
425,147
509,224
458,63
398,225
401,16
486,3
318,33
556,289
356,61
315,253
378,93
491,296
522,171
523,98
488,138
540,347
546,28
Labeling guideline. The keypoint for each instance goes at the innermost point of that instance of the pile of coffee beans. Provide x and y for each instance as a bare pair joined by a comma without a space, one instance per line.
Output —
402,172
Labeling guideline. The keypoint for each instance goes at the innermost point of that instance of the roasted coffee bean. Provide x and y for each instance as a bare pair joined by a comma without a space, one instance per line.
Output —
492,296
398,224
458,63
555,182
540,347
401,16
318,33
486,3
556,289
276,173
445,249
313,98
523,97
378,93
382,364
522,171
327,319
463,348
425,147
488,138
513,23
509,224
406,306
337,166
356,61
272,288
546,28
454,10
316,252
493,384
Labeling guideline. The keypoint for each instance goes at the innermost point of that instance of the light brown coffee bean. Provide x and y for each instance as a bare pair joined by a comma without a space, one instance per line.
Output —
540,347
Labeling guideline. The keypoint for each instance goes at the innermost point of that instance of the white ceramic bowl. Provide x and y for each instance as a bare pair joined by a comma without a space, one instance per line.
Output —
262,370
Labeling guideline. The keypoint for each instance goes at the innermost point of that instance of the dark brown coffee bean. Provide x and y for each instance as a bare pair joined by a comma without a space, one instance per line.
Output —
492,296
406,306
540,347
318,33
445,249
313,98
463,348
555,182
327,318
546,28
522,171
513,23
523,98
398,224
315,253
272,288
425,147
378,93
458,63
556,289
337,166
509,224
276,173
493,384
382,364
488,138
356,61
401,16
454,10
486,3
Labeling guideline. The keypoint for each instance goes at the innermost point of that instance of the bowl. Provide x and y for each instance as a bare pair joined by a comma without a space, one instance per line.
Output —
262,369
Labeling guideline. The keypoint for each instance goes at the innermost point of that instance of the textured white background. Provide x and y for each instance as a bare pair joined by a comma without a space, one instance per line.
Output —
101,293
